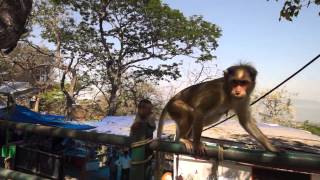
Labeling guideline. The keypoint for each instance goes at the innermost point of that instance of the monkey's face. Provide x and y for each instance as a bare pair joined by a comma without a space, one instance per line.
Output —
240,83
239,88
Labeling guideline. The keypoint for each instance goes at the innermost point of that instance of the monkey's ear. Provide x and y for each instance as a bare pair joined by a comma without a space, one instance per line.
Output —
229,71
253,73
225,73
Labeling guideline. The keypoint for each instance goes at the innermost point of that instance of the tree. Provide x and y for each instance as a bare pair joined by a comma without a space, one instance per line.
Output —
292,8
195,74
276,108
52,100
112,40
126,35
31,65
134,90
59,28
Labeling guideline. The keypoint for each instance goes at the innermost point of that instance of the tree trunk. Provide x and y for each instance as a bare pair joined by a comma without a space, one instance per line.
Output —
113,101
68,95
68,108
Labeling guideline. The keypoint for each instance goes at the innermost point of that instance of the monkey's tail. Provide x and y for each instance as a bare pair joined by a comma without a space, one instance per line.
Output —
161,122
158,153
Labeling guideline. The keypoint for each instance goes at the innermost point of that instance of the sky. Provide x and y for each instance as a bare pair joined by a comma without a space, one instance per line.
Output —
251,31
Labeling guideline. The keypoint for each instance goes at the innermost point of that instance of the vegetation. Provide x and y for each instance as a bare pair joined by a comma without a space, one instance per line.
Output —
292,8
313,128
108,44
52,100
122,48
275,108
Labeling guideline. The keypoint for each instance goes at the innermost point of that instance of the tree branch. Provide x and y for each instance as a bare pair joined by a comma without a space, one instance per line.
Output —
102,16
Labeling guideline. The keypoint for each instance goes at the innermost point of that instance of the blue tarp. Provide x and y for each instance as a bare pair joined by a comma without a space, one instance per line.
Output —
25,115
119,125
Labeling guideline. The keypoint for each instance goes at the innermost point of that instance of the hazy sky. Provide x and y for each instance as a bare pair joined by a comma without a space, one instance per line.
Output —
252,32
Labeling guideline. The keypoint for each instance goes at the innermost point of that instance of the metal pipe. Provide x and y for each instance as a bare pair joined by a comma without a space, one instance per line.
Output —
286,160
74,134
10,174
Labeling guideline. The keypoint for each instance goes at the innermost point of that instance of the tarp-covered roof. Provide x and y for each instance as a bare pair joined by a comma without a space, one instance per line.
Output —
25,115
119,125
15,88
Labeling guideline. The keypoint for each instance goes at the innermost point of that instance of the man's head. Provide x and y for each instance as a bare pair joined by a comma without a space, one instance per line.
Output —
144,108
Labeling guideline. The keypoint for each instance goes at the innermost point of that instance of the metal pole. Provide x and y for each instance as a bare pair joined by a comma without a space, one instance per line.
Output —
304,162
10,174
74,134
287,160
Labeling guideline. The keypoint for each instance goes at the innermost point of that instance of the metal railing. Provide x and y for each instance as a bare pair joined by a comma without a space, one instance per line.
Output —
6,173
291,161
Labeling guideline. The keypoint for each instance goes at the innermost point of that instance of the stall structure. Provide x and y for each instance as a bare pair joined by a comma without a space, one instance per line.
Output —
43,156
231,152
225,136
290,161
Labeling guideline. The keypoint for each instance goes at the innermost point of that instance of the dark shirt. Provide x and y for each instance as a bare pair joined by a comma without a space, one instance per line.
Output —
150,122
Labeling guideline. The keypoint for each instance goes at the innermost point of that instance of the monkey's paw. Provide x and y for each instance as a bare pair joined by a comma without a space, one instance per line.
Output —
199,149
274,149
280,150
188,144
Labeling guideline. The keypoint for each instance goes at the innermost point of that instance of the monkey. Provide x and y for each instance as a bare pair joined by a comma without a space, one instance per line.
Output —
204,103
13,19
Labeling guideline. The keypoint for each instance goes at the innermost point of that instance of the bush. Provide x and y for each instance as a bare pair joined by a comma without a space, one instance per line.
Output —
314,129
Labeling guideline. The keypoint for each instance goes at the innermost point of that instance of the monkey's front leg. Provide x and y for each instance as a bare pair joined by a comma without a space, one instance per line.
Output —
250,126
198,146
253,130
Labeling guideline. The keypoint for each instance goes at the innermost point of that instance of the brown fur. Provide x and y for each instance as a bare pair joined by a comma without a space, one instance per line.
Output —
203,104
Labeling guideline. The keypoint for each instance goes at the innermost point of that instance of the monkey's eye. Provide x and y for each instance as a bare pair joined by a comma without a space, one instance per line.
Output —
240,82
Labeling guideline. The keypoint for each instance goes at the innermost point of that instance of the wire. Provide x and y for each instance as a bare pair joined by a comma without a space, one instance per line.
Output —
266,94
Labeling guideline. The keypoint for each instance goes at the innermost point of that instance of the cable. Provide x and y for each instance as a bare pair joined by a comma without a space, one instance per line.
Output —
266,94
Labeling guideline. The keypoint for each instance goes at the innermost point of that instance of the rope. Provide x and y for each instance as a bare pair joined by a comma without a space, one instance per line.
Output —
220,153
216,163
141,143
141,162
273,89
138,144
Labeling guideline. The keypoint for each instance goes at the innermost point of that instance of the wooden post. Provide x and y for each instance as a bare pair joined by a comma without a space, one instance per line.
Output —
137,170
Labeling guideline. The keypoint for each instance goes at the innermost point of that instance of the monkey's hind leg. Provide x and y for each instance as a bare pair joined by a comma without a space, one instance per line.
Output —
186,125
184,134
181,112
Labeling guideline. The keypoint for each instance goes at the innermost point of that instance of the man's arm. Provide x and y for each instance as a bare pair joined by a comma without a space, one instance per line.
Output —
152,122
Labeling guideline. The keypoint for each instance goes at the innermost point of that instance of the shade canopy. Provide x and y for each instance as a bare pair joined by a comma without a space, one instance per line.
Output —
22,114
